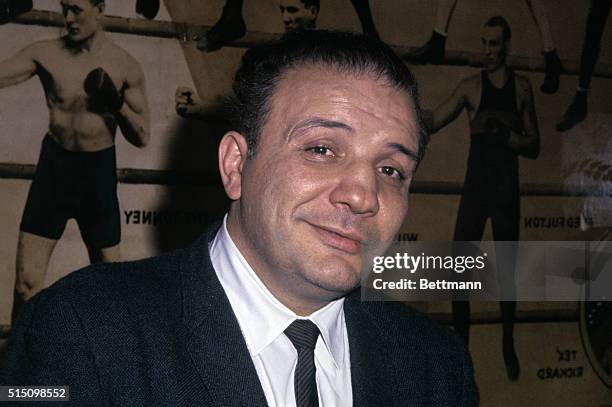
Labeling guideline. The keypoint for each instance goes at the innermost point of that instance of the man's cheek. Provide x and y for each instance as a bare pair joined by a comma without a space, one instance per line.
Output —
393,212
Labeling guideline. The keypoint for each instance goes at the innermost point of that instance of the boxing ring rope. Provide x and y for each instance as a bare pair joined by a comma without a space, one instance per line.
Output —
198,179
191,32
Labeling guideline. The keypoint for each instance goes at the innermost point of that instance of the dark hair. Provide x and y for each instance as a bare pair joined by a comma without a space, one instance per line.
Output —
263,67
312,3
499,21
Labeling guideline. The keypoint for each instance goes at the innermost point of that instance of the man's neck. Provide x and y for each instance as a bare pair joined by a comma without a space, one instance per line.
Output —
499,76
90,45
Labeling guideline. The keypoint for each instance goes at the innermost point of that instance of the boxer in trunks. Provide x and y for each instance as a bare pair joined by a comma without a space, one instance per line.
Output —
91,87
503,125
74,184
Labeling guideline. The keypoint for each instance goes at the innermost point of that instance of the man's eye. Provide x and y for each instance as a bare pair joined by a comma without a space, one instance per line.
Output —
392,172
321,150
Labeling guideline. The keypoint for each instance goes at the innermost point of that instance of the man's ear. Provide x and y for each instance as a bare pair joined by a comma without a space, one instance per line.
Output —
233,152
314,11
101,6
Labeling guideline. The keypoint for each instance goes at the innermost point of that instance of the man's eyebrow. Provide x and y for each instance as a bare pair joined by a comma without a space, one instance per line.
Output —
334,124
413,155
317,122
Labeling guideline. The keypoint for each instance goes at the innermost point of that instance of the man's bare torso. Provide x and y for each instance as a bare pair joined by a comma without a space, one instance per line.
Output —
62,71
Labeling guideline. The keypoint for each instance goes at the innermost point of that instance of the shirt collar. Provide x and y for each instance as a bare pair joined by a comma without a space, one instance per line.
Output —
261,316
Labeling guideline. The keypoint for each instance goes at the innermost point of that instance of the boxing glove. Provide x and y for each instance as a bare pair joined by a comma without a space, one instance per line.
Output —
147,8
103,95
496,132
9,9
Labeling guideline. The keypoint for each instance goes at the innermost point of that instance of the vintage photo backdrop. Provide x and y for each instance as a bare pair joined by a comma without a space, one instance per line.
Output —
170,189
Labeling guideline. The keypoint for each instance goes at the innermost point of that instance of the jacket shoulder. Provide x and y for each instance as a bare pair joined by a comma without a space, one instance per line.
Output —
123,278
413,341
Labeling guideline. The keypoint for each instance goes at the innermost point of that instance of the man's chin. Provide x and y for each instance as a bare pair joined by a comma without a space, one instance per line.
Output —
493,66
74,39
337,275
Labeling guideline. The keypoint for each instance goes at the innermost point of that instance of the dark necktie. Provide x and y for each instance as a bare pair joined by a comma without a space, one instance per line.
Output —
303,335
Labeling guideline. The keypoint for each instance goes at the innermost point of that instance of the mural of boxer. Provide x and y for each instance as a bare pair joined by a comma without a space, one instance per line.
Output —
503,125
91,87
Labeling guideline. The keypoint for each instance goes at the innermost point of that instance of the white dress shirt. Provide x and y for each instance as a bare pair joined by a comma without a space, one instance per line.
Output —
263,319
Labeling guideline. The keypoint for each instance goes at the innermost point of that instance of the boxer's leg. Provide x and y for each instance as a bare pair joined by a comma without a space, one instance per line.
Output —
33,255
596,22
229,27
104,255
98,218
444,14
551,58
362,7
471,219
433,50
505,223
43,221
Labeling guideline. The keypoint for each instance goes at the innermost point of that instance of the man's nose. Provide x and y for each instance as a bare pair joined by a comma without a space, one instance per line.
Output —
69,17
357,188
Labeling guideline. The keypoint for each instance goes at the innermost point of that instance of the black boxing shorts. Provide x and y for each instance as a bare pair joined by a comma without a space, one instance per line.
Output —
79,185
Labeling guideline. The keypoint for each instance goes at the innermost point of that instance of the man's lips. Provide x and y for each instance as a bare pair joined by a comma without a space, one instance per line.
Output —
348,242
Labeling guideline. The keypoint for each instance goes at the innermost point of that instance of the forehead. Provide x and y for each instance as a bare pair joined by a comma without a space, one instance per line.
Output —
371,106
495,33
79,3
292,3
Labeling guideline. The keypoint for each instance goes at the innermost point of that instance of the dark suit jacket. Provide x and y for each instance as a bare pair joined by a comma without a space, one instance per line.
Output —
161,332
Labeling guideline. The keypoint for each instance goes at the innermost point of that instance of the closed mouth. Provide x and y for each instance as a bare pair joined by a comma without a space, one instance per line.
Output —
347,242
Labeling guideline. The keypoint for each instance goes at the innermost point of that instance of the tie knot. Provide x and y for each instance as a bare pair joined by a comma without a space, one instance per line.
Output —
303,334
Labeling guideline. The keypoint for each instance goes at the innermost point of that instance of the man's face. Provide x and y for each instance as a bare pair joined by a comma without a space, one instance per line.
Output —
494,48
327,188
297,16
81,18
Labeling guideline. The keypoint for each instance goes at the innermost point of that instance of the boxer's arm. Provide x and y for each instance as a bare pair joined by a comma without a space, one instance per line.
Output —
526,144
449,110
133,117
18,68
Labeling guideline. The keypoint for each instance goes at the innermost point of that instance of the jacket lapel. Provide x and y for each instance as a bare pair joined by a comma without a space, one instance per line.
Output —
214,342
